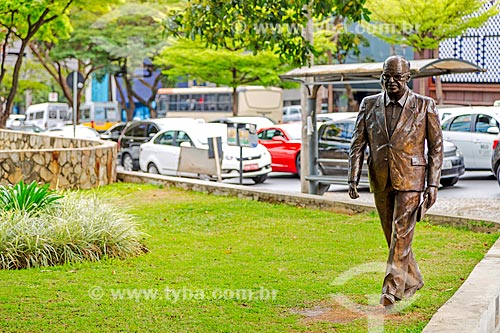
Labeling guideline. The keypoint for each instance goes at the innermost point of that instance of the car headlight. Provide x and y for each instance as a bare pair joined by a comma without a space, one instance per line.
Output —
458,152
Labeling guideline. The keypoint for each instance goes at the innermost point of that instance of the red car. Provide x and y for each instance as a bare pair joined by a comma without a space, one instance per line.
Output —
283,142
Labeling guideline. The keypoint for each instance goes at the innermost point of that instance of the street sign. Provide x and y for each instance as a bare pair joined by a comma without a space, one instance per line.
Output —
53,97
79,78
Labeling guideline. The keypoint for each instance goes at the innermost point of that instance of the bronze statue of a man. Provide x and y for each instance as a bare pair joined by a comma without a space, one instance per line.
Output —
396,125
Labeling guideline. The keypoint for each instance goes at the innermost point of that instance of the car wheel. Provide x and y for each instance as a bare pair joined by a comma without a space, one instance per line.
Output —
498,175
297,164
449,181
127,162
260,179
153,169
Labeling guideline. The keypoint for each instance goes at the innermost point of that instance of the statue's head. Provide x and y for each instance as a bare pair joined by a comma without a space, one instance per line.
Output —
395,76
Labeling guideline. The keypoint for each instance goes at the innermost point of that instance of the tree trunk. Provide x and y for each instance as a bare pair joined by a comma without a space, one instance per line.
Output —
235,101
15,83
352,103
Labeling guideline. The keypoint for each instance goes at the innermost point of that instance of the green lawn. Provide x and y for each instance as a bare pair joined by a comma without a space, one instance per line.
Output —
209,254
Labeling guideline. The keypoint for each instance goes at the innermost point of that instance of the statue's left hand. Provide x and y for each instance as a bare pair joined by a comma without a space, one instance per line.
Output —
431,193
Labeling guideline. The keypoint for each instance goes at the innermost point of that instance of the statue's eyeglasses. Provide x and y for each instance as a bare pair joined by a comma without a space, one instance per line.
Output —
396,77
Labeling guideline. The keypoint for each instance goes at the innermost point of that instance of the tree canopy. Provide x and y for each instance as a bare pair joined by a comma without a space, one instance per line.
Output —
423,24
21,20
257,25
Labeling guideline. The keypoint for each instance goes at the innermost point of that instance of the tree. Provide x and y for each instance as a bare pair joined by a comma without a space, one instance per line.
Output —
222,67
423,24
21,20
132,35
335,44
59,58
257,25
33,78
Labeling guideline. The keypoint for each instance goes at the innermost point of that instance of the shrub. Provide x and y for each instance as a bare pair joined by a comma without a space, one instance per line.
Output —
29,198
79,228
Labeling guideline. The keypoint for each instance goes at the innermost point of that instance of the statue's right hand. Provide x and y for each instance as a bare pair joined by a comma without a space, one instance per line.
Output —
353,190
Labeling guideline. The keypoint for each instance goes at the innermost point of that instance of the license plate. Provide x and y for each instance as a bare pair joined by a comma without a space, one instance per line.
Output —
447,165
251,167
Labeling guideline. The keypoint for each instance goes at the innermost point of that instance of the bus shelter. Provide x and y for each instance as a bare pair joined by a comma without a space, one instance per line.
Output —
341,74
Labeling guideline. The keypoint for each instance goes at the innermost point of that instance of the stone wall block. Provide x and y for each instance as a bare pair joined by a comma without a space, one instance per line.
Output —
61,162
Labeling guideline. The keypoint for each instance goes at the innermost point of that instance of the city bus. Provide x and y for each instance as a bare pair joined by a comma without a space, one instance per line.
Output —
211,103
100,115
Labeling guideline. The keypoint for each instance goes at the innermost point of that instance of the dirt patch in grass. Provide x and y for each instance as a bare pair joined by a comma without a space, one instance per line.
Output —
169,195
334,312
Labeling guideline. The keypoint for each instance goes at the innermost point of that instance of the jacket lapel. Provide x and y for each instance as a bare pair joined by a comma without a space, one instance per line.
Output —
380,115
407,114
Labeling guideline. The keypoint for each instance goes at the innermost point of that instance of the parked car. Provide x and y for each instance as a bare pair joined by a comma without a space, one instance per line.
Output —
495,159
292,113
161,154
334,142
113,133
141,131
473,131
283,142
258,121
70,131
15,120
18,126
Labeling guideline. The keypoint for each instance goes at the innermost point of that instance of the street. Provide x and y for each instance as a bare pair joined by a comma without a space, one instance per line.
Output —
473,184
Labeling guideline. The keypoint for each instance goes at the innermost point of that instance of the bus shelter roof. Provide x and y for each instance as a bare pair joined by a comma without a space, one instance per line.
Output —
362,72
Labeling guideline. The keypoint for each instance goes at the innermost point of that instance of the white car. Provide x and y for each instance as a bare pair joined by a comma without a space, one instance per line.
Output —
292,113
163,152
70,131
473,131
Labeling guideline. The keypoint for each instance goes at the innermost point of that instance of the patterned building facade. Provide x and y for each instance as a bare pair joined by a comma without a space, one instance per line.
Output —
482,47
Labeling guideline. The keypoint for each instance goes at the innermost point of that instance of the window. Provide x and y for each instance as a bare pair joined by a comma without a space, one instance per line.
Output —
99,114
85,114
139,131
269,134
152,129
461,123
166,138
39,115
483,122
332,132
182,137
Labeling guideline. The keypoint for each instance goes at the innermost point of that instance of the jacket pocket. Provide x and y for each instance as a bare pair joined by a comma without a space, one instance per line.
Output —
418,160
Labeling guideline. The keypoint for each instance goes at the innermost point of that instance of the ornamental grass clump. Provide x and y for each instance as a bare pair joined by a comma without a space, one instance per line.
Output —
73,228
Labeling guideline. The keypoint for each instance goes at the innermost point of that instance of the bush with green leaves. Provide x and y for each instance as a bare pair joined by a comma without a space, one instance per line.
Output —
80,227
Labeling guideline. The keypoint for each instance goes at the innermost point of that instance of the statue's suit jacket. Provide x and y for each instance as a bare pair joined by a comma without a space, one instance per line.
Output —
403,156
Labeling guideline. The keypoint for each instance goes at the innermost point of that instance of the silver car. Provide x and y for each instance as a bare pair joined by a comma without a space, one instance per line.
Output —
334,142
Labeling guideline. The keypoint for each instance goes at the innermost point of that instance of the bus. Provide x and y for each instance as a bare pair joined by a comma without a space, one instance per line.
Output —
100,115
211,103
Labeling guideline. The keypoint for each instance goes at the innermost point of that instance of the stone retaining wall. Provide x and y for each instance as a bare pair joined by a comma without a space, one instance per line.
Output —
61,162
